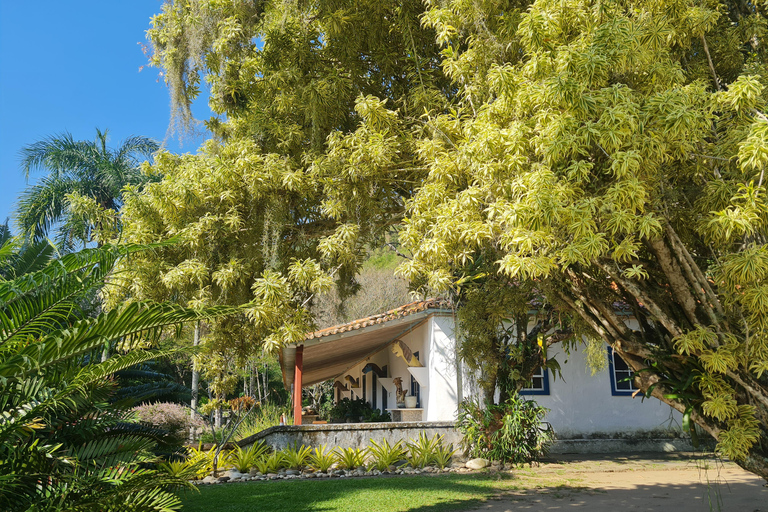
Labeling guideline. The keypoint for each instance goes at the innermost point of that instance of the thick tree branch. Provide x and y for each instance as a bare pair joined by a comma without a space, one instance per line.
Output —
589,319
685,262
701,278
761,395
645,299
674,274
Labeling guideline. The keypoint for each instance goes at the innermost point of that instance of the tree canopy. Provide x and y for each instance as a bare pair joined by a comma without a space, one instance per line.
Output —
611,154
309,164
587,158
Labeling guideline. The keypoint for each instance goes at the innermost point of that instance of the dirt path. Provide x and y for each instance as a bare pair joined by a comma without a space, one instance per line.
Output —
635,483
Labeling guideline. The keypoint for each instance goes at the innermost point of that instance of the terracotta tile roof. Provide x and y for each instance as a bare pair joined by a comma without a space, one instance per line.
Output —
392,314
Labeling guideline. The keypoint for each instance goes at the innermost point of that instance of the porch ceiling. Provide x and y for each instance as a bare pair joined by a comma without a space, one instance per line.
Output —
328,356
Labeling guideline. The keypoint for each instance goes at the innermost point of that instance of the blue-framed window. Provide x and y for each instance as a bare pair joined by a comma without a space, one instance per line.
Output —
539,383
364,378
622,383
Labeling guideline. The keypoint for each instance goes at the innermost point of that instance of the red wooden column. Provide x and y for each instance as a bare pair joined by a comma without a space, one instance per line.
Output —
297,385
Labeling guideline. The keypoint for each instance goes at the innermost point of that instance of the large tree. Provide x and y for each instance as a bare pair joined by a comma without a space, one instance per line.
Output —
309,164
81,191
589,156
610,156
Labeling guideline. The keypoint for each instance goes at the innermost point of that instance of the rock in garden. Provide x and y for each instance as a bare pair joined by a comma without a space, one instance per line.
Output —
477,463
209,480
292,472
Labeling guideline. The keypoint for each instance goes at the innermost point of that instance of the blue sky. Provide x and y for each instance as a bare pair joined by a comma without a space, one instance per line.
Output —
74,66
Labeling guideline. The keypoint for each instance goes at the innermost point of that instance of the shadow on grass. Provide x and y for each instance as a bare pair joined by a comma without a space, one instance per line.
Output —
396,494
736,497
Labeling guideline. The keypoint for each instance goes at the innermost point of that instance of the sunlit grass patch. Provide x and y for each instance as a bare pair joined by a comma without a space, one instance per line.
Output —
438,493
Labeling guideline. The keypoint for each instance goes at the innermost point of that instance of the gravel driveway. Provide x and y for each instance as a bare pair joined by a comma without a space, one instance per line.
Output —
643,482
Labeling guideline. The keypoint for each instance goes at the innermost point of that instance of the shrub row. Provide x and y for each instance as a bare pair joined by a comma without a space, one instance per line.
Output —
418,453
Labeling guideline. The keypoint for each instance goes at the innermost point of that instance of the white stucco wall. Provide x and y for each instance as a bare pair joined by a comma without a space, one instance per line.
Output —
440,397
581,404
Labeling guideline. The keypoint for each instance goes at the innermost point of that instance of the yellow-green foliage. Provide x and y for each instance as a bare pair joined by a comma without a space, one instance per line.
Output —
350,458
382,454
564,157
422,451
201,461
296,457
244,460
270,463
321,459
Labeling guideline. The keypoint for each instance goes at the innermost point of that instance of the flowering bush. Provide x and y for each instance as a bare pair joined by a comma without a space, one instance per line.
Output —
241,404
172,417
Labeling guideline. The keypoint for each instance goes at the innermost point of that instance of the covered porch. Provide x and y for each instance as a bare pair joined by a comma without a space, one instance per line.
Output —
380,359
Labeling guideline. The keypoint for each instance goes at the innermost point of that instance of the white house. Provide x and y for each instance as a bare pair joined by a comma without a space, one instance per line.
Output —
416,343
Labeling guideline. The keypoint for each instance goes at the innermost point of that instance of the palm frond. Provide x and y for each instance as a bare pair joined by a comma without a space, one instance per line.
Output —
64,440
56,153
42,205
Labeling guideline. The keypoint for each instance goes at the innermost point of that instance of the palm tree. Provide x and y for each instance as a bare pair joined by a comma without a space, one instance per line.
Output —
86,168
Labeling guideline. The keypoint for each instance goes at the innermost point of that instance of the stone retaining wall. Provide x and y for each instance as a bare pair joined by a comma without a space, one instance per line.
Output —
352,435
358,435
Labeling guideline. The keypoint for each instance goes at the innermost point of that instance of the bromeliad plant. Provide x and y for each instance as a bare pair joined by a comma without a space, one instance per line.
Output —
422,450
270,463
244,460
321,459
64,444
296,457
514,431
350,458
384,454
443,455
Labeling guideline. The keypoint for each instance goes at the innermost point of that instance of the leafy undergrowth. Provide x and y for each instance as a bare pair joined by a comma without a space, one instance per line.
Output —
419,493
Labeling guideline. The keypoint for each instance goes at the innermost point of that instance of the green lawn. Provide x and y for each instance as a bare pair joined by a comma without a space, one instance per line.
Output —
414,494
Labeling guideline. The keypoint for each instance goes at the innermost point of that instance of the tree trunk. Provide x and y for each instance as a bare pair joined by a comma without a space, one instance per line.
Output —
217,418
251,381
195,374
265,387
